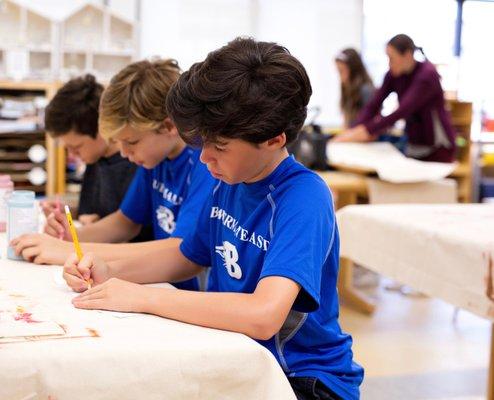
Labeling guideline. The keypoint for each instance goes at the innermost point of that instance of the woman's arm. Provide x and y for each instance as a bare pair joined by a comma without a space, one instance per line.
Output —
419,93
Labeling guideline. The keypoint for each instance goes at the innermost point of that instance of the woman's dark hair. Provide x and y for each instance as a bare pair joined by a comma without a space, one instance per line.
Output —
75,108
351,101
245,90
403,43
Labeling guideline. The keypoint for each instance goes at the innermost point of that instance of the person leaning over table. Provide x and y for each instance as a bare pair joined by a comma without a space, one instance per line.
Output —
421,103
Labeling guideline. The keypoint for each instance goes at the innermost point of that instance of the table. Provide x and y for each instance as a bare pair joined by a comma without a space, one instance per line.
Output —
136,356
444,251
356,164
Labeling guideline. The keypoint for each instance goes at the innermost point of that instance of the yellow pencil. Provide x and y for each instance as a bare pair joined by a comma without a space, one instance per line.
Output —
75,239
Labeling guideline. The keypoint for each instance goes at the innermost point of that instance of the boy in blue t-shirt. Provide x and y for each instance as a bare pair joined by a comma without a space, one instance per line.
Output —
268,231
170,185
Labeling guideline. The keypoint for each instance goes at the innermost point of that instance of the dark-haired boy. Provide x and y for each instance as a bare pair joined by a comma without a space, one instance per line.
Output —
268,230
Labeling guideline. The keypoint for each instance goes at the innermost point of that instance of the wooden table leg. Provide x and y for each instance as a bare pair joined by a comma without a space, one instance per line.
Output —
490,377
349,293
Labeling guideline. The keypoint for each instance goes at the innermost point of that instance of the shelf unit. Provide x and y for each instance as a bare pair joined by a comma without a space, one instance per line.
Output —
92,38
27,40
14,160
55,162
40,49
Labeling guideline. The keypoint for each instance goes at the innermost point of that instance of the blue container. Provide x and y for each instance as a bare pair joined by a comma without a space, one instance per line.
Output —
486,188
22,217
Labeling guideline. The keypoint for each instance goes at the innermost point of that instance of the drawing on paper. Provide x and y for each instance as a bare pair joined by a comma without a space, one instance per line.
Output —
22,319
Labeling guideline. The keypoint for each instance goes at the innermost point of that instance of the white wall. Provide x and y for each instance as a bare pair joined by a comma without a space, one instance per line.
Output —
313,30
431,24
188,29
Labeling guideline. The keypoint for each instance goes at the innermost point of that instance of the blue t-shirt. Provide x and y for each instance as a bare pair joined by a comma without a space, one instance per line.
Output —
170,198
283,225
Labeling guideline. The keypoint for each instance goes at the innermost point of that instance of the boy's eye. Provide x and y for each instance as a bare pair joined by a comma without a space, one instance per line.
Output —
219,148
131,143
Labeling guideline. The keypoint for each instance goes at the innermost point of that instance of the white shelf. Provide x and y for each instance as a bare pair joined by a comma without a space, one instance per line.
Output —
74,61
107,64
83,29
121,35
90,39
10,23
2,62
38,30
116,53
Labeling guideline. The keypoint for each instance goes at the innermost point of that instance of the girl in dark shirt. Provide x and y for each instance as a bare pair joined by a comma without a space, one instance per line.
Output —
421,103
355,83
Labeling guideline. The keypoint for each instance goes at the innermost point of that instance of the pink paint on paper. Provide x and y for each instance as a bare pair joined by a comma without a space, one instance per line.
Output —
26,317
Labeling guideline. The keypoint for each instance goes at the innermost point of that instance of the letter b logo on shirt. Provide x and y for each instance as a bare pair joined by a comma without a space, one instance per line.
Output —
229,254
166,219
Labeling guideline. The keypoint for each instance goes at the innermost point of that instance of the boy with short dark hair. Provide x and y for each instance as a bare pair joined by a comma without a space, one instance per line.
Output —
72,117
268,231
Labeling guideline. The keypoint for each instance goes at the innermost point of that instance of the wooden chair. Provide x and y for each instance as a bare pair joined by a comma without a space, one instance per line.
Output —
461,118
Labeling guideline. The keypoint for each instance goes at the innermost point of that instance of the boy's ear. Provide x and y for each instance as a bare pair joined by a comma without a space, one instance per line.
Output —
168,127
277,142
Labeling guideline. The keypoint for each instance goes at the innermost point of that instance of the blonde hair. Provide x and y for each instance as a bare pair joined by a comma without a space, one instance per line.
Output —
136,96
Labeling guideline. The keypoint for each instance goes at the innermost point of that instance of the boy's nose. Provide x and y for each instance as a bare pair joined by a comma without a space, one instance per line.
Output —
124,151
205,155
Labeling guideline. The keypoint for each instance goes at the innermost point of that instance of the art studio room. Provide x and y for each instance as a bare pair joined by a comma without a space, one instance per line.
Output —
246,199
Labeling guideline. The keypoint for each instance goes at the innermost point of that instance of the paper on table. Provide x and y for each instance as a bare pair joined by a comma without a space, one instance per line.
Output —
409,170
72,332
389,164
10,329
26,318
19,316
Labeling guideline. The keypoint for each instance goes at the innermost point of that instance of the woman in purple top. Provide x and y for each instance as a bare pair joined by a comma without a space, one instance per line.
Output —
421,103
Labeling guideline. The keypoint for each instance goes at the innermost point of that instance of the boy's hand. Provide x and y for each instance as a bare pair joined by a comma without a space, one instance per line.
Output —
87,219
114,295
77,273
57,225
49,206
41,249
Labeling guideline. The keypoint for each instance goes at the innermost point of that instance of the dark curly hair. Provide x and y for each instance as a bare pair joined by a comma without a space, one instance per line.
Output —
245,90
75,107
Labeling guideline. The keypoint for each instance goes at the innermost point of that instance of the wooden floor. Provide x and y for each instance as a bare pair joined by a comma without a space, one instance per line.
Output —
411,349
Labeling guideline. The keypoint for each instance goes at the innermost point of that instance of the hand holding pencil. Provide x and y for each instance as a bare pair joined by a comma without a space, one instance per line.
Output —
77,272
75,240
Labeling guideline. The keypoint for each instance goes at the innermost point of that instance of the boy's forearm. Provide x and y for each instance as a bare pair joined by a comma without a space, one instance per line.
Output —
237,312
118,251
165,265
114,228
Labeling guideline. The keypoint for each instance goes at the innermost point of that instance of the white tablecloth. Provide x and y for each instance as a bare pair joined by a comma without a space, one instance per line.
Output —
441,250
136,356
